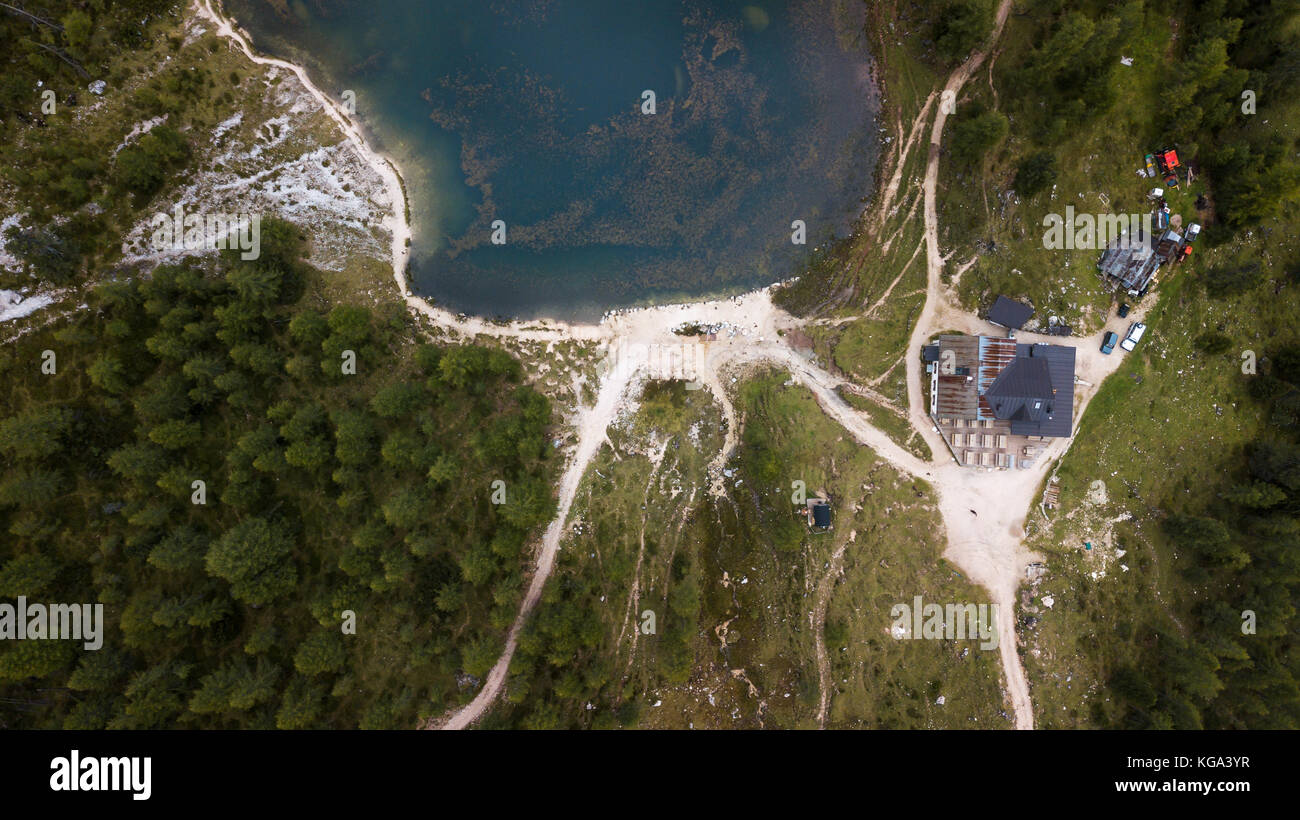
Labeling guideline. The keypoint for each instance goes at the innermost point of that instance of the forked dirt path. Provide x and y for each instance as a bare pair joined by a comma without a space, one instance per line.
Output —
987,545
991,553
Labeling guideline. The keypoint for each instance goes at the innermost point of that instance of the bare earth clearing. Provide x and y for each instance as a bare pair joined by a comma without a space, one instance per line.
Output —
984,511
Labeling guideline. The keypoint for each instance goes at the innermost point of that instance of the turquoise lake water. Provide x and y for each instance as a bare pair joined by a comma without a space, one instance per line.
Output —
531,113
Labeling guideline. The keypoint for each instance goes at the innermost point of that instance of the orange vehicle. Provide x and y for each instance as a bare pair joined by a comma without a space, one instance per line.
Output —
1168,163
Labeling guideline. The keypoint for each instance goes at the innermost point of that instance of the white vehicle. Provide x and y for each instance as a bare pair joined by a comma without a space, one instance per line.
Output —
1133,336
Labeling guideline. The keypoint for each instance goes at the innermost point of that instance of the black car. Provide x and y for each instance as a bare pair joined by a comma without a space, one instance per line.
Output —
1123,310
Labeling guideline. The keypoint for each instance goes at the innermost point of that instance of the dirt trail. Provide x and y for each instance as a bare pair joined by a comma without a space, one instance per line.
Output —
634,332
987,546
757,344
634,594
939,312
817,622
871,311
904,148
591,434
709,377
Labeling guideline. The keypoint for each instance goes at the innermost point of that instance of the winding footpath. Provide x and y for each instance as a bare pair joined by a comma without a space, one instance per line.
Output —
987,546
591,435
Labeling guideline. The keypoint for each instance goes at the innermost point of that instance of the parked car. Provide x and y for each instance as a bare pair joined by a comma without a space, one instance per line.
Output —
1123,310
1193,231
1108,341
1133,336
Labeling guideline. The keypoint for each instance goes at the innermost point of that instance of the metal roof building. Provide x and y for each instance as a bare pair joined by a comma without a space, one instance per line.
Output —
1130,261
1030,386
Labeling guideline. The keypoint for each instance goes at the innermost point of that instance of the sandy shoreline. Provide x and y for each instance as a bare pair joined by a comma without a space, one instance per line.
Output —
399,225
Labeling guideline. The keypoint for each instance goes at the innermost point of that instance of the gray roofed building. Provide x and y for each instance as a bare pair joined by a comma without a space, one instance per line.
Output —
821,515
818,511
1010,313
1035,392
